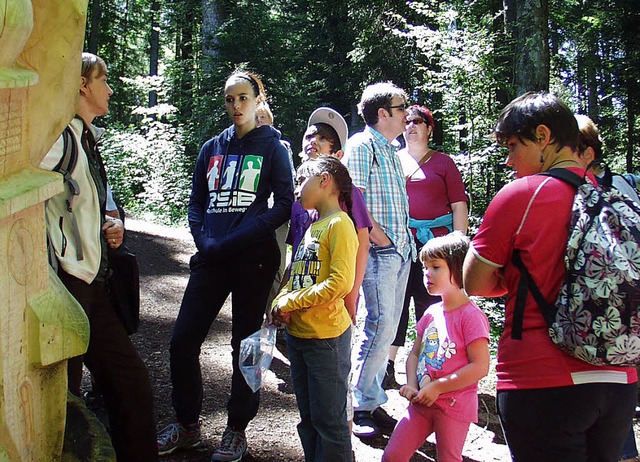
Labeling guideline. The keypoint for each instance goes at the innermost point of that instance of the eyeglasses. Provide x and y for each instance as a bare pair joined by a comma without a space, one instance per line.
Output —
415,121
399,106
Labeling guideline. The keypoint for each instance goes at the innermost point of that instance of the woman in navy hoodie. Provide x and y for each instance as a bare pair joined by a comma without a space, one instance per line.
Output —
233,229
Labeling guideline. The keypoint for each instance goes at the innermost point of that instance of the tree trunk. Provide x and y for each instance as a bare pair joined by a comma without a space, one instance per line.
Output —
528,22
502,62
630,26
185,81
211,20
588,64
154,49
462,120
124,31
580,87
94,31
592,87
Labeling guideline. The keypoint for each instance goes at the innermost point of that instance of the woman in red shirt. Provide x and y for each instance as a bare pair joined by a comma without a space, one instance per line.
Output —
553,407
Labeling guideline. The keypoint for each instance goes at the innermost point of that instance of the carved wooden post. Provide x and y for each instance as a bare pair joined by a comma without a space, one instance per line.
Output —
41,325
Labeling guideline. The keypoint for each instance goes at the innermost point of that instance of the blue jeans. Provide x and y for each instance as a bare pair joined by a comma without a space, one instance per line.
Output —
320,372
384,285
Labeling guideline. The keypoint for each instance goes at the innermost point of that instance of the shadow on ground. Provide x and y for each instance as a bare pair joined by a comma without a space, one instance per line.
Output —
272,435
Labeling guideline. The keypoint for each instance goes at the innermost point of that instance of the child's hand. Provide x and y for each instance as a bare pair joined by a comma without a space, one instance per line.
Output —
428,394
409,392
351,304
269,321
280,316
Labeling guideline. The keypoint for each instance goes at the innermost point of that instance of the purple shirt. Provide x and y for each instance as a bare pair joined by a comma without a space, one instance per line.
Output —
301,219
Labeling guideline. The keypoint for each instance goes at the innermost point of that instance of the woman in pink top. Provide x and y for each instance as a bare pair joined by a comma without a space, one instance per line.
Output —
437,206
553,407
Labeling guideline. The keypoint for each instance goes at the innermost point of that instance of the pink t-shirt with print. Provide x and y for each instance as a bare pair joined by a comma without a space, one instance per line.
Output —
445,336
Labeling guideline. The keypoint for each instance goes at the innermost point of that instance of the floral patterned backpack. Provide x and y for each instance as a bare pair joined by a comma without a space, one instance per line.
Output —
595,317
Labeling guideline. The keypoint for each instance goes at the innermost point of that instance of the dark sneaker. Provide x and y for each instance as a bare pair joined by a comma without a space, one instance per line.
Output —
363,424
176,436
382,419
232,448
389,380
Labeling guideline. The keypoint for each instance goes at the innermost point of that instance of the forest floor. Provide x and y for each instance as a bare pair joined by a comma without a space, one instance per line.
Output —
163,255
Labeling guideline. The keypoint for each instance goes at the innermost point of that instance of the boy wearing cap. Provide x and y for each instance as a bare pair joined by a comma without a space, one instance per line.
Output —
326,134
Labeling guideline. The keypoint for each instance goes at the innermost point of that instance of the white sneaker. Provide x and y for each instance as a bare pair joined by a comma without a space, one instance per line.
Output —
175,436
232,448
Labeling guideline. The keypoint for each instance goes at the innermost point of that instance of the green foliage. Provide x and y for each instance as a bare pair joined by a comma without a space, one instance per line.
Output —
455,57
597,69
123,34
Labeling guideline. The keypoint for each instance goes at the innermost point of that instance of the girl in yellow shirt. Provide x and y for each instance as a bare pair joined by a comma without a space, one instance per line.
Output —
312,307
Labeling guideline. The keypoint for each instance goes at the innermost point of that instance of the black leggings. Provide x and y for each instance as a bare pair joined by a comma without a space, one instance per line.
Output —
248,277
421,301
577,423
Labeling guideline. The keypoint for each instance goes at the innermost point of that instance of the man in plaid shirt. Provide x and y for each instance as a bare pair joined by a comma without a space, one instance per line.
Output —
371,158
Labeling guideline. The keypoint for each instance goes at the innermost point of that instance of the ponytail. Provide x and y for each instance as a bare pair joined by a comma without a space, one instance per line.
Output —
340,175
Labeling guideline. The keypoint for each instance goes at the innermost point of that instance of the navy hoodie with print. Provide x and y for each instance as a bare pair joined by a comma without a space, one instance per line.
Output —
232,181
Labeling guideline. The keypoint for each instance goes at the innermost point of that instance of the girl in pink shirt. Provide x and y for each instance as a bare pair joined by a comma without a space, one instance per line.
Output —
449,356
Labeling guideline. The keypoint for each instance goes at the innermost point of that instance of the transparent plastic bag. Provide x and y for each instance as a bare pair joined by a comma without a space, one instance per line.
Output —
256,353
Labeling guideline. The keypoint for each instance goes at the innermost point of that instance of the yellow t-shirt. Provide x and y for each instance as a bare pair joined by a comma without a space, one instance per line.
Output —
322,273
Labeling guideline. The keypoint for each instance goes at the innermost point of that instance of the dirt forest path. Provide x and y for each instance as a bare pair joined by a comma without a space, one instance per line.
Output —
163,255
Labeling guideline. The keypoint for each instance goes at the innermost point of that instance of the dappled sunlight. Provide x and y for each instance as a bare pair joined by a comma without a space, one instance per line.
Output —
164,273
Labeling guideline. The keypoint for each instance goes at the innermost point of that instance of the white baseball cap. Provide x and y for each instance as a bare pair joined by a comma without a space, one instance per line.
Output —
329,116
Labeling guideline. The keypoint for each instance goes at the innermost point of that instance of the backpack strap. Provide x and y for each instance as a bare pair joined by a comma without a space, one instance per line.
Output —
53,260
374,160
68,162
526,285
607,178
65,166
565,175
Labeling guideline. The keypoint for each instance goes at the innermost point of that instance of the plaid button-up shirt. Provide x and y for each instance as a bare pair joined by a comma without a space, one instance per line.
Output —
376,169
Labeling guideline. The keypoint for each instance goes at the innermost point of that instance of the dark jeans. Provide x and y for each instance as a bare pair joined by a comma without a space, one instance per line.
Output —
320,372
118,371
247,276
578,423
421,300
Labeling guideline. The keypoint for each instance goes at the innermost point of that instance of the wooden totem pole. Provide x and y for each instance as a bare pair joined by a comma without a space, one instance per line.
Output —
41,325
